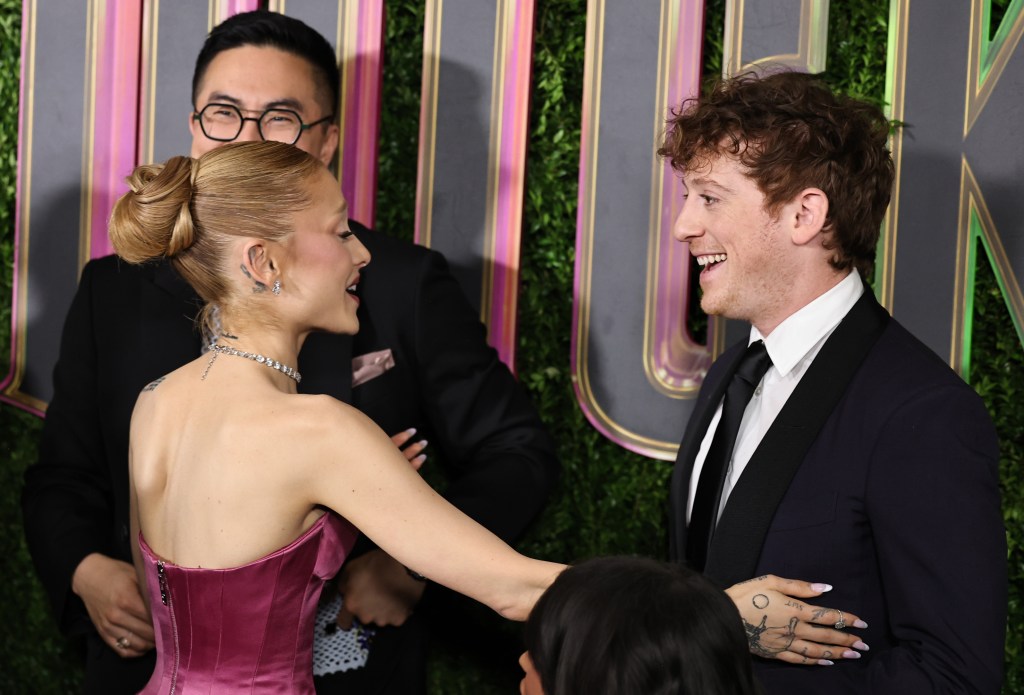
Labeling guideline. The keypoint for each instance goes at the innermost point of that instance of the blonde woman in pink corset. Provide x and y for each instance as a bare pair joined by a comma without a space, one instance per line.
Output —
245,494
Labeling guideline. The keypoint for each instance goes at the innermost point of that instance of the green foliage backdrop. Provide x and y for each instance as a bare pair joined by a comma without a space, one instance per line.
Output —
34,657
609,500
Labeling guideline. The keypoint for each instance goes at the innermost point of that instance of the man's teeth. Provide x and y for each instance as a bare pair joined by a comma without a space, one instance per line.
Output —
708,260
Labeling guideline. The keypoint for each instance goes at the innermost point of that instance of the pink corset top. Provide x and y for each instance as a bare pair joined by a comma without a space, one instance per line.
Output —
247,629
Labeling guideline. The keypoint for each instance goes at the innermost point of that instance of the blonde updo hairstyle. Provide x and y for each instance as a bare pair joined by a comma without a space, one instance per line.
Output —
190,210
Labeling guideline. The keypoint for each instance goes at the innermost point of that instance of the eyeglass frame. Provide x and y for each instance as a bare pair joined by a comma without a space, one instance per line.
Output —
197,115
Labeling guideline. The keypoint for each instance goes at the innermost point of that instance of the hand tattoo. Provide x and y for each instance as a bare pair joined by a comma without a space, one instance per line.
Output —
755,633
153,384
760,601
820,613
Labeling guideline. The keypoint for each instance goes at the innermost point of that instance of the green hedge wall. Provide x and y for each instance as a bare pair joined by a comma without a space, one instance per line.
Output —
34,657
609,500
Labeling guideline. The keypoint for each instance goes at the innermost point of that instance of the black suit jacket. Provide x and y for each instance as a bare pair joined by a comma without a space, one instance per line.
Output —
880,477
131,324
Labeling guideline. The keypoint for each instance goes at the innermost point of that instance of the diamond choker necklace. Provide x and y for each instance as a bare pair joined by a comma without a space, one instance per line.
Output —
273,364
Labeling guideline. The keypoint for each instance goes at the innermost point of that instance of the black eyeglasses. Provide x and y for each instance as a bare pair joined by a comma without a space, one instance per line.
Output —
223,123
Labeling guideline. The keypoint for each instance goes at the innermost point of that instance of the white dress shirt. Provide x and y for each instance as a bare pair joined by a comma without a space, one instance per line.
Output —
793,345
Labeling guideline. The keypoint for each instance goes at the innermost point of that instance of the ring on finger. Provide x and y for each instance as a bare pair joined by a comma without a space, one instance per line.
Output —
841,623
123,643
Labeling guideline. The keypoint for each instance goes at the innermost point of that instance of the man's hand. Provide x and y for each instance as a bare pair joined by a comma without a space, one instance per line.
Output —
378,590
780,625
110,590
414,452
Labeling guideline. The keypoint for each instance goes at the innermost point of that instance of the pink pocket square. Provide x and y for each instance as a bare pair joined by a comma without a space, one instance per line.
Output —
371,365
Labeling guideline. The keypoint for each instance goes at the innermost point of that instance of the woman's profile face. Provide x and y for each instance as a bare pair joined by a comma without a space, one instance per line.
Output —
325,259
530,684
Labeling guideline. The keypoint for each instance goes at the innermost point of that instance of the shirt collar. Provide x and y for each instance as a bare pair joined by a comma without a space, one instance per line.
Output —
792,339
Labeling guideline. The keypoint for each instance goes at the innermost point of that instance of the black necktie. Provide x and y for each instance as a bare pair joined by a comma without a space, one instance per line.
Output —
704,517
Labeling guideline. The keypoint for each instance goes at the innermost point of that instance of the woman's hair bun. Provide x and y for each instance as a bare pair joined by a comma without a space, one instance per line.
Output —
153,219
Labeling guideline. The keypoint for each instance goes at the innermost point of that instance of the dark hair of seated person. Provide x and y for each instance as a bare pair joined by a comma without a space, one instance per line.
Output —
631,625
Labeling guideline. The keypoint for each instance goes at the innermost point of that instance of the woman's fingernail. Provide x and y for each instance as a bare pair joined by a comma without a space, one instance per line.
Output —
411,431
850,654
821,587
421,443
825,662
861,646
860,624
420,459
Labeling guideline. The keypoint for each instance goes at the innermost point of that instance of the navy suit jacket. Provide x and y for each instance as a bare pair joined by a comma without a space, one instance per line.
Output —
880,477
129,325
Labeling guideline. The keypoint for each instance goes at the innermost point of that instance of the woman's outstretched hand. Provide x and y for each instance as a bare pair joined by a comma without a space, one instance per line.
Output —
780,625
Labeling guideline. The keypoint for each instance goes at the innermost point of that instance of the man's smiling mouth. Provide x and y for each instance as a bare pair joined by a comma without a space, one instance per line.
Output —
710,259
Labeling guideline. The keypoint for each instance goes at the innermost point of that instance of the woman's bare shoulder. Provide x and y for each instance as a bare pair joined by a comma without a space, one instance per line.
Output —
168,389
321,416
325,441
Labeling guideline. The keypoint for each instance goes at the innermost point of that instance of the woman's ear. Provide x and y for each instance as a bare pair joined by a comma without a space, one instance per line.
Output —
811,214
258,266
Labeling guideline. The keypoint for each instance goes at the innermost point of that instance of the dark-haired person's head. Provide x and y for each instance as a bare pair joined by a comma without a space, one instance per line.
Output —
788,132
265,76
628,625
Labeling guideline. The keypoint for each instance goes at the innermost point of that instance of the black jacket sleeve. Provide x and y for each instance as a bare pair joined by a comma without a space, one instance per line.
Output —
67,501
127,325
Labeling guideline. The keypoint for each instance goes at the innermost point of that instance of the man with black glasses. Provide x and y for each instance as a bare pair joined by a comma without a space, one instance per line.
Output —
224,123
421,358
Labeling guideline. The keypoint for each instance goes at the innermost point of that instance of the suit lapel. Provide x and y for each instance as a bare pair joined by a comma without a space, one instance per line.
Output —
751,506
711,395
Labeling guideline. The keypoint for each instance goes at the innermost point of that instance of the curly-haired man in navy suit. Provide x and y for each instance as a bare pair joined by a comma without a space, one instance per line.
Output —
860,457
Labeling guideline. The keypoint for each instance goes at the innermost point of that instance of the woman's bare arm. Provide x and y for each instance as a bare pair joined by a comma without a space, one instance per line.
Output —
356,470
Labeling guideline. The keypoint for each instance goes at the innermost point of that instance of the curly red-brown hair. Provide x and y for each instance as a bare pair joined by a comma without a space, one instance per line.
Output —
792,132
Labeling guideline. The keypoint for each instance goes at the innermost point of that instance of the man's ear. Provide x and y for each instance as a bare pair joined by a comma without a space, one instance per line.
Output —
810,209
329,148
257,265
